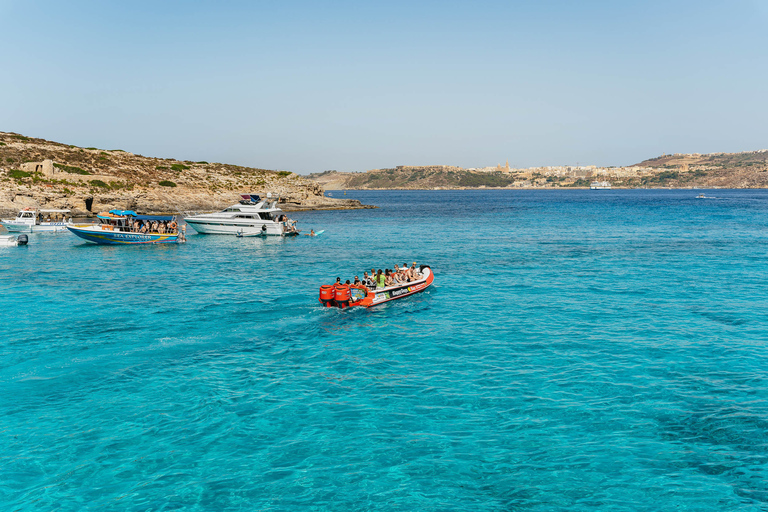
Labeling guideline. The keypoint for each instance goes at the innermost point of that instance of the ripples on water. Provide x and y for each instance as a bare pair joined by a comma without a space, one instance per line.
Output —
579,350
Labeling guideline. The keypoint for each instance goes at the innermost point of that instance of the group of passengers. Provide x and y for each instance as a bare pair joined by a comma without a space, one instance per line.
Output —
152,226
56,217
383,279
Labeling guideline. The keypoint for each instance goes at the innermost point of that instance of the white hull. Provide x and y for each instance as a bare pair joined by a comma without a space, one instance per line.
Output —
219,228
8,241
233,227
35,228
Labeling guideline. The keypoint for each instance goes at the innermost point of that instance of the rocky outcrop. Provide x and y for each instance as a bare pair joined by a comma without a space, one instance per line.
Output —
43,174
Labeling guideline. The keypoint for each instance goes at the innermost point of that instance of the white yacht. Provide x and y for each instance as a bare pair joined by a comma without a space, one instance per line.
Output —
250,217
30,220
600,185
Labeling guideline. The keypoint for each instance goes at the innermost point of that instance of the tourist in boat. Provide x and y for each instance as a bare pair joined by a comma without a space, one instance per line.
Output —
381,280
388,281
368,280
357,280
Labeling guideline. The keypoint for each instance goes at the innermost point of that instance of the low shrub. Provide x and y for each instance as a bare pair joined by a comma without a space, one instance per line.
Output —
98,183
179,167
283,174
166,183
202,162
18,174
72,170
161,168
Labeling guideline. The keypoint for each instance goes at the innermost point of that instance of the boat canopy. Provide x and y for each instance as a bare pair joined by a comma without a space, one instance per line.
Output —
250,198
123,213
130,213
153,217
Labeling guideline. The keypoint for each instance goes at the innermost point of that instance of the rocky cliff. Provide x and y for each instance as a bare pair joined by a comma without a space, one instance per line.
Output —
44,174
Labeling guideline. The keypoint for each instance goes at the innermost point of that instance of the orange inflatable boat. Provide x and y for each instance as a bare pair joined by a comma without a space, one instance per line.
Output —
347,296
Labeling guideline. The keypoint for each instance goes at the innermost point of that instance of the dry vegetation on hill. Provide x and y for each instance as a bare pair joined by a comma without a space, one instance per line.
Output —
91,180
721,170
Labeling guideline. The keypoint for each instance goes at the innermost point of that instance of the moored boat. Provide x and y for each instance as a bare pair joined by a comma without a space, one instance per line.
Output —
31,220
252,216
121,227
345,296
13,241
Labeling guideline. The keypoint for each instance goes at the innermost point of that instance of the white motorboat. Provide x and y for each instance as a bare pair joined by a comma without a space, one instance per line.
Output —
30,220
250,217
13,241
600,185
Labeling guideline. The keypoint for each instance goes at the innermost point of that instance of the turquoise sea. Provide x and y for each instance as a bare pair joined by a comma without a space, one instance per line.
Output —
579,350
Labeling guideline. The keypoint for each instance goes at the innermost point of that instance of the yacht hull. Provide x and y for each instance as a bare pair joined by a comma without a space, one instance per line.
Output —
220,228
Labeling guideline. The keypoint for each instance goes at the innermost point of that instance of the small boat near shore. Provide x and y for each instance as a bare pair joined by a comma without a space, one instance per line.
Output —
31,220
347,296
252,216
13,241
121,227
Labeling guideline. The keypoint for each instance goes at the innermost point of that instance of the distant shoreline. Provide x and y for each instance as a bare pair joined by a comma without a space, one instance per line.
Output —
539,188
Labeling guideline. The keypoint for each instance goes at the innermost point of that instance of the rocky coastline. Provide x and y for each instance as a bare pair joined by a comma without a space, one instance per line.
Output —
37,173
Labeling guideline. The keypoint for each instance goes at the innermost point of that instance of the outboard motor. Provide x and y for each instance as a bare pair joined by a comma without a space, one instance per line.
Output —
22,239
342,295
327,295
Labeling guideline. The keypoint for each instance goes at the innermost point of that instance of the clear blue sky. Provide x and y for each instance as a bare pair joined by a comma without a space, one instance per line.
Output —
310,86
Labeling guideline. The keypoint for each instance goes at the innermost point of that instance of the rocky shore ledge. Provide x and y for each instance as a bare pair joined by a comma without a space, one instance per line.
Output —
37,173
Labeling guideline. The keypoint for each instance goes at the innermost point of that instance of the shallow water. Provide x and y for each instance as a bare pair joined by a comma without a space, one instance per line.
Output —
579,350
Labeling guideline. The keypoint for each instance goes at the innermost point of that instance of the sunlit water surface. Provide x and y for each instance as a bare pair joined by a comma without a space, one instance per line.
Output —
578,350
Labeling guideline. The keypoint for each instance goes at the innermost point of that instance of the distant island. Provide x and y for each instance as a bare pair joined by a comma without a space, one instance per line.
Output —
38,173
714,170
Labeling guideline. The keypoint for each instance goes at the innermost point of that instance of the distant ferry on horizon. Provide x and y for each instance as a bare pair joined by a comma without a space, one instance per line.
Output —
600,185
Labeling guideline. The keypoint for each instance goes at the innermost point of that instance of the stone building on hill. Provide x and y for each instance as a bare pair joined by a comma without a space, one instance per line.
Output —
45,167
